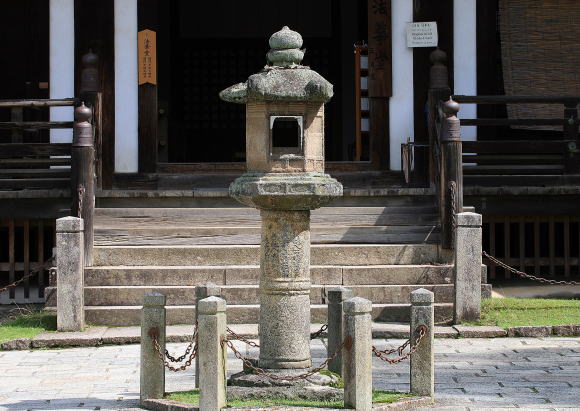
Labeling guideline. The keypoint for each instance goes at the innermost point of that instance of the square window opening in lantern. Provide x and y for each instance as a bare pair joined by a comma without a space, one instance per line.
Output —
286,135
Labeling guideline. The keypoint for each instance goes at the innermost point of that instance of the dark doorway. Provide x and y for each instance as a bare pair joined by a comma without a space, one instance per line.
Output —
205,47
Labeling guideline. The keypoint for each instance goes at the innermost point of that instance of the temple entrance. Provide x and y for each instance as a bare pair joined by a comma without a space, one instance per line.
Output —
203,47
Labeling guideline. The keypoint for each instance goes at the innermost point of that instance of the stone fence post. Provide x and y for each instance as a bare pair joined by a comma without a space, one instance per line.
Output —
70,315
467,268
423,360
201,292
357,354
152,327
336,296
212,355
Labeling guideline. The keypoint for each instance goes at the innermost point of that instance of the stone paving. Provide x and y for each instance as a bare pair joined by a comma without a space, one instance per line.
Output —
471,374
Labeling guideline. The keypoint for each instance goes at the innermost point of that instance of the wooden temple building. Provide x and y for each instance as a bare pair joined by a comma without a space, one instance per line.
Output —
166,147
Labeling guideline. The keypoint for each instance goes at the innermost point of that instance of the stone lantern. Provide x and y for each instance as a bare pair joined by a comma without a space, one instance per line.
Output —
285,180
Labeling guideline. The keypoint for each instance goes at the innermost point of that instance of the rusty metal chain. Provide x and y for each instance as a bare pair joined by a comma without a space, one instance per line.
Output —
163,355
81,195
453,208
239,337
527,276
318,333
47,265
302,376
422,330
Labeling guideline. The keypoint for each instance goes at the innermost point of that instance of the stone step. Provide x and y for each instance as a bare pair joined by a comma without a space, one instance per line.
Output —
250,274
162,236
321,254
124,218
249,294
247,314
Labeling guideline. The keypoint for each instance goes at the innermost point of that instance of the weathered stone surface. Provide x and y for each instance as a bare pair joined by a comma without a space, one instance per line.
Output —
570,330
212,354
249,379
423,360
70,274
356,355
283,191
308,393
285,290
202,292
530,331
17,344
152,371
336,296
285,79
87,338
122,335
467,306
467,331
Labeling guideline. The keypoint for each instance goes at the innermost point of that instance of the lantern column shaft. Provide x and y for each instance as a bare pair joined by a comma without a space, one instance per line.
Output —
285,290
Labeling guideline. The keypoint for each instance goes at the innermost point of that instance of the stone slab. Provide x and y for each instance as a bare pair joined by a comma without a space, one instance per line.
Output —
17,344
468,331
87,338
570,330
530,331
401,330
122,335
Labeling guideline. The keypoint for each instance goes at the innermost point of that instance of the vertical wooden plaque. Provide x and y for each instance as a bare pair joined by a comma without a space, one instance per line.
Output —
380,50
147,52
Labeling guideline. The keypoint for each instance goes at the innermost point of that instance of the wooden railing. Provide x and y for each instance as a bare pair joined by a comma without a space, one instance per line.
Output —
451,157
32,165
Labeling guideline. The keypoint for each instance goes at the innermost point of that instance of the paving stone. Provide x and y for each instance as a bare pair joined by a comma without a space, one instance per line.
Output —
466,331
17,344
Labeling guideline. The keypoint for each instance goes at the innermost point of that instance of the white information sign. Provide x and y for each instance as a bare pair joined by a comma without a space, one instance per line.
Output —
422,34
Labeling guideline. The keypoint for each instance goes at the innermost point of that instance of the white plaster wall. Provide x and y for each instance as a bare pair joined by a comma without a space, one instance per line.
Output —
465,59
126,87
401,120
62,64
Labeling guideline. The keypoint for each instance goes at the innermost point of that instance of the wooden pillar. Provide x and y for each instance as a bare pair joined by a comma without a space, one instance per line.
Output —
82,177
451,188
379,80
148,15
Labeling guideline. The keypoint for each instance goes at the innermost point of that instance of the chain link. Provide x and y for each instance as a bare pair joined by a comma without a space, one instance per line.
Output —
261,371
163,355
81,195
47,265
453,209
525,275
318,333
422,330
239,337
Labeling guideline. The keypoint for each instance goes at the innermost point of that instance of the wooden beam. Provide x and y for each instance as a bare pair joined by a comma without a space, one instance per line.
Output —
35,149
38,102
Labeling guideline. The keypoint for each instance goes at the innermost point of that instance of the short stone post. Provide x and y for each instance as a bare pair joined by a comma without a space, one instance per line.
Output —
70,315
357,354
152,328
423,360
201,292
467,268
336,296
212,355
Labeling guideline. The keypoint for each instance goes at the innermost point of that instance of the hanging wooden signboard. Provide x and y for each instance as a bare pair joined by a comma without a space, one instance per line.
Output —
147,52
380,50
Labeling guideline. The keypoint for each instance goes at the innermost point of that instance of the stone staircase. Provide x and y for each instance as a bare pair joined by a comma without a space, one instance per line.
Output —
381,246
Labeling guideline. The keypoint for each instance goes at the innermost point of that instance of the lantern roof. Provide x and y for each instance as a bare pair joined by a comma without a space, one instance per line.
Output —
284,78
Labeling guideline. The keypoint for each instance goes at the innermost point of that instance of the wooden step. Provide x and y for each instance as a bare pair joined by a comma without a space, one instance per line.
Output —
247,314
212,255
132,218
252,235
